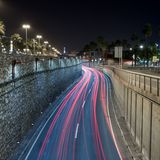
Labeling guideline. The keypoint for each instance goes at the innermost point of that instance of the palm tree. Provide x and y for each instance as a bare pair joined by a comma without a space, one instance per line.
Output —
33,45
147,31
102,46
135,40
93,46
118,42
90,48
86,48
2,28
125,44
134,37
17,41
2,32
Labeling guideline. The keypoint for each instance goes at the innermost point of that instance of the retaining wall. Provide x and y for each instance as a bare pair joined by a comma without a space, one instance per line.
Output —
26,89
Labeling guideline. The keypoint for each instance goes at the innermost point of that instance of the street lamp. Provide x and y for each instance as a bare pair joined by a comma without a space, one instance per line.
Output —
26,27
45,42
156,44
45,46
141,46
39,37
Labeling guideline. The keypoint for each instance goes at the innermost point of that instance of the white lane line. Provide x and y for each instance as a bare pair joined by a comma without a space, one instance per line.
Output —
30,150
76,133
83,104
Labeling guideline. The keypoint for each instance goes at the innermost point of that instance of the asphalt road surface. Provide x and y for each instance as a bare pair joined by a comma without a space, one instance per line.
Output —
79,128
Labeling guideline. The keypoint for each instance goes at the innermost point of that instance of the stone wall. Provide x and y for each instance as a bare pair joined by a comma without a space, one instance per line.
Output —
26,89
139,104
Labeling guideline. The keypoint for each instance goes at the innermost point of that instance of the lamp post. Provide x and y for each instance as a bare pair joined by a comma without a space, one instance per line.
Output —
34,46
39,37
45,42
26,27
45,46
141,46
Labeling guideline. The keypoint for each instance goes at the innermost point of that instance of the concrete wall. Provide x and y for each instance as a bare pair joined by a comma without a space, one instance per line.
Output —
28,93
140,107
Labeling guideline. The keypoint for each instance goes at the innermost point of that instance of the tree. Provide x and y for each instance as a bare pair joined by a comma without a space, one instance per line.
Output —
2,31
2,28
147,31
93,46
33,45
135,40
17,41
86,48
134,37
125,44
102,46
118,42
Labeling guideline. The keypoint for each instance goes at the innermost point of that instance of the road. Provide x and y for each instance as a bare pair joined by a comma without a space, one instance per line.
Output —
79,128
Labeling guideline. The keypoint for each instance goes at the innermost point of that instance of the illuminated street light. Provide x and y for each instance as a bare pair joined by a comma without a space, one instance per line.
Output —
53,48
45,42
131,49
26,27
39,37
11,47
141,46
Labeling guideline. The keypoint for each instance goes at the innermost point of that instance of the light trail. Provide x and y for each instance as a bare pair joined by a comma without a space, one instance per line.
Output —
77,129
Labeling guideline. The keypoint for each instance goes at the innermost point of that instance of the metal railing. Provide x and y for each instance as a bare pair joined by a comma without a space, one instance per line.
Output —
142,81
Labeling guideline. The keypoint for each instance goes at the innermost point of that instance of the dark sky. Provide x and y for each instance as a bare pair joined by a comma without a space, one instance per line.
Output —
75,23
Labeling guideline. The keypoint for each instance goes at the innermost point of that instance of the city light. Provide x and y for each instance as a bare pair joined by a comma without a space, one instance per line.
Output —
141,46
156,44
26,27
38,36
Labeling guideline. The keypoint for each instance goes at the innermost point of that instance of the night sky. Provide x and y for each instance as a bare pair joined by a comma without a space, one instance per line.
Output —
75,23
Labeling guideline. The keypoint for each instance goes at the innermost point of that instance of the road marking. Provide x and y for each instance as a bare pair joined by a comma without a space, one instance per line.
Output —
76,133
113,135
41,129
83,104
40,133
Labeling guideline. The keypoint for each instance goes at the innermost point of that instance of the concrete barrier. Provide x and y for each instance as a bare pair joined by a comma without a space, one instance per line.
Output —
139,103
